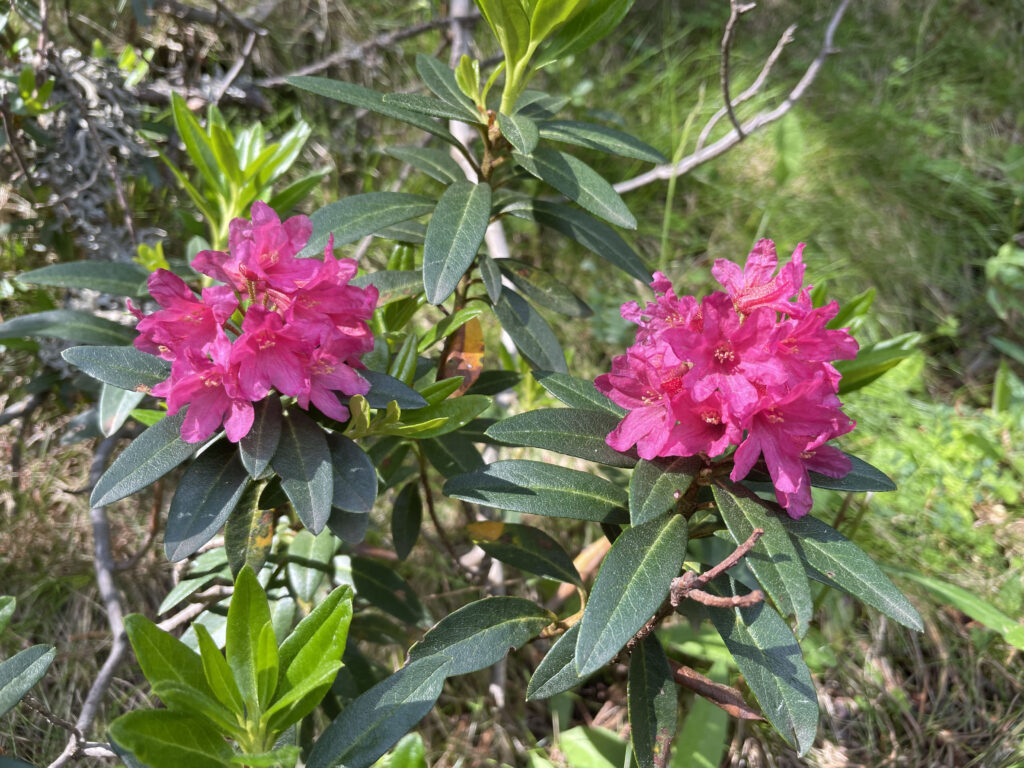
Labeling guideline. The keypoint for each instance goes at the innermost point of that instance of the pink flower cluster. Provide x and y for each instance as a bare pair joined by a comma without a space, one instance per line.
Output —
749,368
302,328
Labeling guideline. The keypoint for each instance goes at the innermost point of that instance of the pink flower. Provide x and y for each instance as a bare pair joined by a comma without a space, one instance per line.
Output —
271,354
209,387
329,373
754,286
185,322
666,311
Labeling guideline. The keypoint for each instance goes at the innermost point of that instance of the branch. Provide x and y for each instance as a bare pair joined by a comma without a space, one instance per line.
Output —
735,11
217,18
103,561
761,119
222,87
360,51
22,408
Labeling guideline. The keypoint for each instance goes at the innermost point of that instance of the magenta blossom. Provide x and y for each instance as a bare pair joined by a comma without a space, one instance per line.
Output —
750,369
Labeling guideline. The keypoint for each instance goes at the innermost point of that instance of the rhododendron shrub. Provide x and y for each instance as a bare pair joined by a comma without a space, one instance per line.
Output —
302,331
749,368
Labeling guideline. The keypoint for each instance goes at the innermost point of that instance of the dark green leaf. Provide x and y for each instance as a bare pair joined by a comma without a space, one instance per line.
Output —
149,457
656,485
875,359
164,657
441,80
451,454
354,217
365,98
428,105
771,662
257,448
530,332
303,462
542,489
630,587
209,490
164,739
69,325
594,235
601,138
382,587
436,163
653,707
493,382
863,477
124,367
115,406
289,197
482,633
579,182
571,431
20,672
248,614
249,531
350,527
355,478
408,232
576,393
384,389
117,278
520,131
371,724
526,548
773,559
491,276
454,235
309,560
542,288
406,517
845,565
556,672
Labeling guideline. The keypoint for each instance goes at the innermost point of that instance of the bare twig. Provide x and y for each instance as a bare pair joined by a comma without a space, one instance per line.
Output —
22,408
359,51
720,695
735,11
761,119
103,561
217,18
5,118
754,88
236,68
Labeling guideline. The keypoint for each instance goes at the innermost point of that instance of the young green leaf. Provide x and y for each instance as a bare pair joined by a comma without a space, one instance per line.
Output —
656,485
450,415
209,490
652,703
403,364
303,460
114,277
530,332
576,393
257,448
197,144
526,548
248,614
571,431
454,235
375,721
7,605
406,518
354,217
218,674
319,637
266,665
161,738
299,701
309,557
448,326
188,701
579,182
162,656
69,325
482,633
771,662
601,138
20,672
124,367
285,756
149,457
845,565
542,489
773,560
594,21
631,585
540,287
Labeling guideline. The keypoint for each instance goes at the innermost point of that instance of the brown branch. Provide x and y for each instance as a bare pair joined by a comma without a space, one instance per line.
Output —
761,119
218,18
232,74
360,51
735,11
723,696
